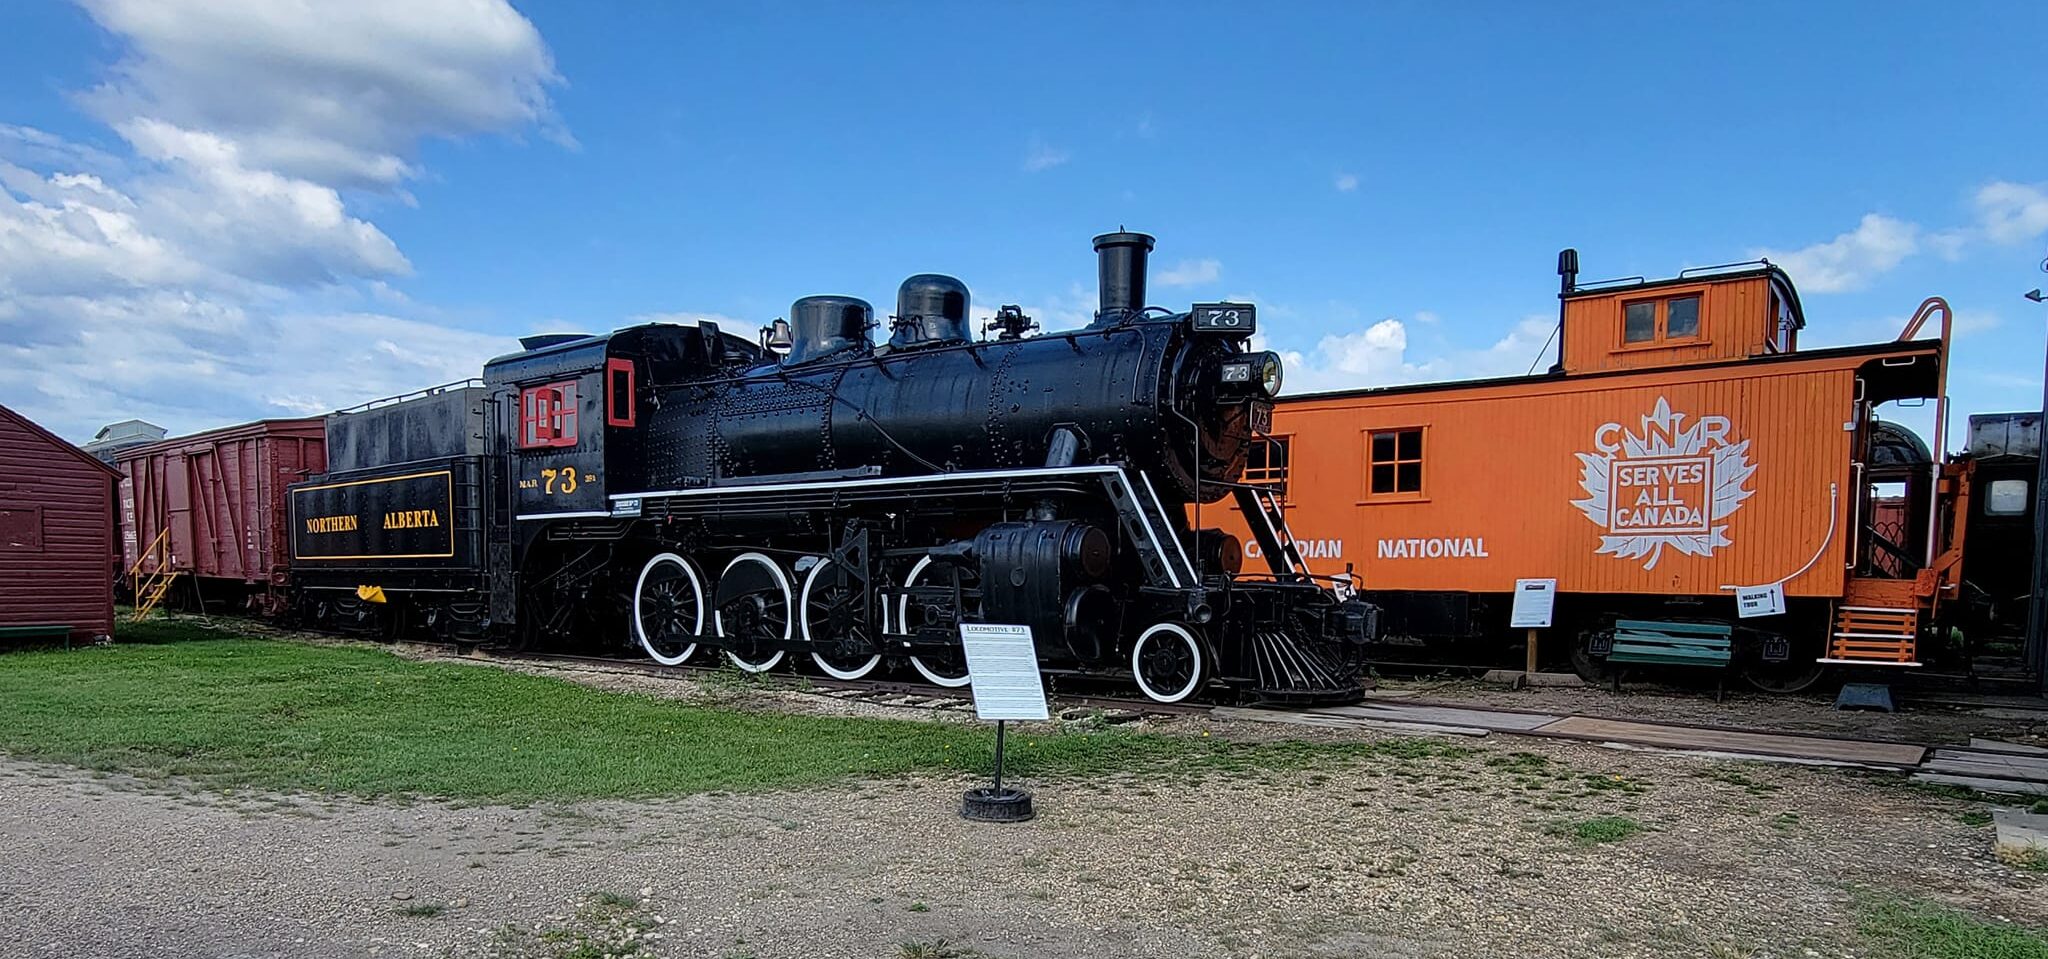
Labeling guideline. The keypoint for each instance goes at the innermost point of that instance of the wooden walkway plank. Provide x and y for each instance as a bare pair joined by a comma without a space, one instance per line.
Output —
1729,740
2001,746
1985,764
2014,786
1444,715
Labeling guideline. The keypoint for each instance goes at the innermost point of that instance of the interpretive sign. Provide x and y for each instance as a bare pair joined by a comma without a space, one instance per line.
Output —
1534,599
1002,669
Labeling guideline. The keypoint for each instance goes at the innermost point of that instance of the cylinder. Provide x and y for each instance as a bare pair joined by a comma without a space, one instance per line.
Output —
931,310
821,326
1120,260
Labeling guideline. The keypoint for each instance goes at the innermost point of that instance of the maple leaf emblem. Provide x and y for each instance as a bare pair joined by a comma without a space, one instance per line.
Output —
1665,485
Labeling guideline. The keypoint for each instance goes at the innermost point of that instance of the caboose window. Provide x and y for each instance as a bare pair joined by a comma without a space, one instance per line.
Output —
1266,463
1647,321
1395,461
1639,322
1682,317
618,393
547,415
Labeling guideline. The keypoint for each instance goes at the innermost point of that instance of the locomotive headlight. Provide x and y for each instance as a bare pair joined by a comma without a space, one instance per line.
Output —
1252,372
1269,372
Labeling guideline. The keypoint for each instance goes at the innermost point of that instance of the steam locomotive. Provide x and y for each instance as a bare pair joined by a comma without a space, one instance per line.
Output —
813,493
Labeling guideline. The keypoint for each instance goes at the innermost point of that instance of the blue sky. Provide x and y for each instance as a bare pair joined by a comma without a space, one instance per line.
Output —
216,211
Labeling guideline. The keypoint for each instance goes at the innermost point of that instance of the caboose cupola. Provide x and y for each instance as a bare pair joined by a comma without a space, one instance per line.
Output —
1707,314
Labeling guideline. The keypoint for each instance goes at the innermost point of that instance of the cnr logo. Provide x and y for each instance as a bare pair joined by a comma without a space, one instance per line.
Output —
1668,485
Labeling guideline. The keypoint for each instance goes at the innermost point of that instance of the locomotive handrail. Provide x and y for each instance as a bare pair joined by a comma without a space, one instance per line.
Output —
415,394
958,476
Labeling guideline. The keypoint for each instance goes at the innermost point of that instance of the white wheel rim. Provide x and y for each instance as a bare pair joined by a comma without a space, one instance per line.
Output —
804,620
903,623
1138,652
639,589
781,581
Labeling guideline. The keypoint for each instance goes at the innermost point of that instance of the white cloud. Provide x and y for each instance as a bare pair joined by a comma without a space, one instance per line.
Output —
1040,156
1381,354
1347,182
2012,212
1190,273
190,362
1849,261
190,279
2007,213
336,93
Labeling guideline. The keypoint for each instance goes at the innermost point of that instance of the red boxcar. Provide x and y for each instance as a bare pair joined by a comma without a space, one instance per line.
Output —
221,496
56,533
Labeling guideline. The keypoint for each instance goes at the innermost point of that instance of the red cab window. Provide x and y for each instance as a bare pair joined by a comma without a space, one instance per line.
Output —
618,392
547,415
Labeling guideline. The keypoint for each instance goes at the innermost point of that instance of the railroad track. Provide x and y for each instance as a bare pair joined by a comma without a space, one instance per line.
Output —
879,692
883,692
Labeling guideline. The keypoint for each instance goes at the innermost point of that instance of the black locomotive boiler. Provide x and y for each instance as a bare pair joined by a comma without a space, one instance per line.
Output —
819,494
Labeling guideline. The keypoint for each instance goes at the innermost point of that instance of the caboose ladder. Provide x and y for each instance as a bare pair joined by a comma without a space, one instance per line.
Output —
1877,624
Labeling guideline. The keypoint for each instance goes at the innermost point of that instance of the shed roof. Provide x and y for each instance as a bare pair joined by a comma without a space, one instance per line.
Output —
57,441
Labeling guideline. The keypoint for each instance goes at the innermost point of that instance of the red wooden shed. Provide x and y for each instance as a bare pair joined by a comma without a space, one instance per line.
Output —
57,548
221,495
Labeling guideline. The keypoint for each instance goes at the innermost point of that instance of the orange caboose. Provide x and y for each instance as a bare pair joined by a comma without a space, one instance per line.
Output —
1682,452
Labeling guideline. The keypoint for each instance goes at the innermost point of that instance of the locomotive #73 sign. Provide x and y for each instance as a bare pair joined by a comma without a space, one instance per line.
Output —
1668,485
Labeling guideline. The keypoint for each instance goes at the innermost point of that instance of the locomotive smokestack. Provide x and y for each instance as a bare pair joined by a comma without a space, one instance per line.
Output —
1120,257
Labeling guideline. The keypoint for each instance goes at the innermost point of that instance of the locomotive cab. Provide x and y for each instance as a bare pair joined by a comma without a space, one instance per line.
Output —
576,404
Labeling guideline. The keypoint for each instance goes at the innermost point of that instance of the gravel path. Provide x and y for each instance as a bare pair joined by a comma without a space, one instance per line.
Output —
1449,858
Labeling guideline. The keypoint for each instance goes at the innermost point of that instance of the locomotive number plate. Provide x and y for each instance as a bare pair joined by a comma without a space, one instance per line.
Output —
1226,317
1262,417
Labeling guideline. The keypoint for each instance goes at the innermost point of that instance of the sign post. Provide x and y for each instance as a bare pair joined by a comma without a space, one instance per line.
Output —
1002,670
1535,599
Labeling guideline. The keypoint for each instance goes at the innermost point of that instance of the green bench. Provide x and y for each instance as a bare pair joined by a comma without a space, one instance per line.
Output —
37,631
1661,643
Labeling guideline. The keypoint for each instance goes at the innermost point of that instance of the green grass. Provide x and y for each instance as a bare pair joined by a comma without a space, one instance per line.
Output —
172,699
935,949
1898,929
1600,829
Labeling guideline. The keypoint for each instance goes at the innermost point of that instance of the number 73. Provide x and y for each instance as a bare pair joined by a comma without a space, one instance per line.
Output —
567,478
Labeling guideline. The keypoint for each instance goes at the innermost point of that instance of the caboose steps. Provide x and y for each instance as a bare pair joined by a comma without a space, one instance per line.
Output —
1877,624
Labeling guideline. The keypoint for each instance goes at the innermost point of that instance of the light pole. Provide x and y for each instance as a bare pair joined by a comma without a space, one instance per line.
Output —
2037,593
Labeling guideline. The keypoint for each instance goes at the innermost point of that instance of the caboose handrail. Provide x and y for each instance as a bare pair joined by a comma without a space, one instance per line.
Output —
1927,308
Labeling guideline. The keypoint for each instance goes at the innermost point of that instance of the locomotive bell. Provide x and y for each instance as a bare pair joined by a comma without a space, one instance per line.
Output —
821,326
931,310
